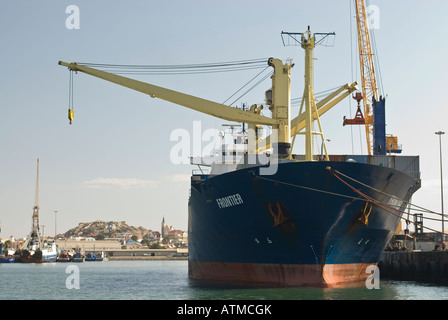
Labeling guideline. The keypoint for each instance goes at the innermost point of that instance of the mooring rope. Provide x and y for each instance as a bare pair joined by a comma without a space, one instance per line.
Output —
379,191
309,188
364,197
382,205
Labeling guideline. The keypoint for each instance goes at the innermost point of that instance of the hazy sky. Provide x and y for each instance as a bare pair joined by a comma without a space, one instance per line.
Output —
113,162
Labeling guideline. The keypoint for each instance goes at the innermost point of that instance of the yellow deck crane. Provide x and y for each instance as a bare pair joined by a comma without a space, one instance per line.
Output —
280,104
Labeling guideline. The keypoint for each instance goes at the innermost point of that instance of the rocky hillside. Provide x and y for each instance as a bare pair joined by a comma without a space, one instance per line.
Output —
106,228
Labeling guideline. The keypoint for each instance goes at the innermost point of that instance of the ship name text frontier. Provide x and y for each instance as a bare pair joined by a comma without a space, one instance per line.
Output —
229,201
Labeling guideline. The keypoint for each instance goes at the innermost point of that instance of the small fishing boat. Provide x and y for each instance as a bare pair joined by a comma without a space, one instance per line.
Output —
90,256
6,259
78,256
101,256
64,256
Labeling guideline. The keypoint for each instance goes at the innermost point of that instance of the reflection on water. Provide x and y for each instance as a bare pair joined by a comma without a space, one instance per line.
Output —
389,290
385,293
168,280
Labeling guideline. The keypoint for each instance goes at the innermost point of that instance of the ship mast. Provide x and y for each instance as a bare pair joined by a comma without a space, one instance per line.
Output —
308,45
308,41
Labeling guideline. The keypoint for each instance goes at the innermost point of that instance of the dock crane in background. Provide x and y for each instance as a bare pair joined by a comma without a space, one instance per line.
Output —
374,118
35,236
30,249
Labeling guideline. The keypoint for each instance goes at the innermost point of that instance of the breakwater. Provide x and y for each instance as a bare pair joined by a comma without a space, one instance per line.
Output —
424,266
129,254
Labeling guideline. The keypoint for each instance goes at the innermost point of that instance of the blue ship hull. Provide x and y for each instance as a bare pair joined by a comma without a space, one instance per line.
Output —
6,259
301,226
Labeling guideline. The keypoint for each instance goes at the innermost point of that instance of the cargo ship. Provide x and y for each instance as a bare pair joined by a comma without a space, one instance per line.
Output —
263,216
306,225
316,220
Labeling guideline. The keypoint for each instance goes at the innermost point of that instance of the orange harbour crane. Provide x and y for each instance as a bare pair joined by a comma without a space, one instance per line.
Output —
368,79
373,104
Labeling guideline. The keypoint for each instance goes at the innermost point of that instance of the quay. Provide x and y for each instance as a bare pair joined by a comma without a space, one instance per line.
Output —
113,250
422,266
147,254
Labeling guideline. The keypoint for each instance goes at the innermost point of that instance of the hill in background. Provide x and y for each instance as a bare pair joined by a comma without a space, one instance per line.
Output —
105,228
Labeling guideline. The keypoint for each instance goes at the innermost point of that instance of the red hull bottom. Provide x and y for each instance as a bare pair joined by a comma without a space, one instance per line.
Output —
279,275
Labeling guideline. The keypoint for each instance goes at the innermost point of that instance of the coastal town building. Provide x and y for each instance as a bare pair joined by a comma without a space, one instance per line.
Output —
165,228
177,238
129,243
100,235
153,236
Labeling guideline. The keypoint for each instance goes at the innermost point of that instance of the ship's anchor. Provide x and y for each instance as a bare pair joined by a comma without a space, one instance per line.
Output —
365,213
278,216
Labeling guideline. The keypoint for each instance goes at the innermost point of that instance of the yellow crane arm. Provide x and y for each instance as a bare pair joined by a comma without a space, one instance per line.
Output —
298,123
324,105
195,103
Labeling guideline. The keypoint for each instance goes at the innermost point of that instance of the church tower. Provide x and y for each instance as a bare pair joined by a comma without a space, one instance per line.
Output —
163,227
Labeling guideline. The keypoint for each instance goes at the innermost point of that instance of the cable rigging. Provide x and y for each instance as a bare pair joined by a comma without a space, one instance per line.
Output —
181,68
186,69
251,88
70,97
297,101
242,65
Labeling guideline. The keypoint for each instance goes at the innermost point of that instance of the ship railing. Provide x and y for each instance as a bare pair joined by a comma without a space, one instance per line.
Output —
398,148
200,172
413,174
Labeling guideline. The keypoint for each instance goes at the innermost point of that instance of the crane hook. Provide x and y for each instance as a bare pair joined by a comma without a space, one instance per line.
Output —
70,98
70,115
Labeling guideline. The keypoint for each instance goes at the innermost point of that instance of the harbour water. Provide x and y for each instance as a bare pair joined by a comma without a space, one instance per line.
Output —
168,280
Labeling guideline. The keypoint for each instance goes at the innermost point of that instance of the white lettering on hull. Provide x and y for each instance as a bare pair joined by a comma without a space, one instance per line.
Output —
229,201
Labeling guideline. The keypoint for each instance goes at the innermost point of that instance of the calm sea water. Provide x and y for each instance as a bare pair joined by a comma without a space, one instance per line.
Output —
168,280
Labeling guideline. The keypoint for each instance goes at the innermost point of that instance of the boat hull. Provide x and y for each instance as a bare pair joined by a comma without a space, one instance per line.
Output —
7,259
48,254
49,258
278,275
27,256
299,227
